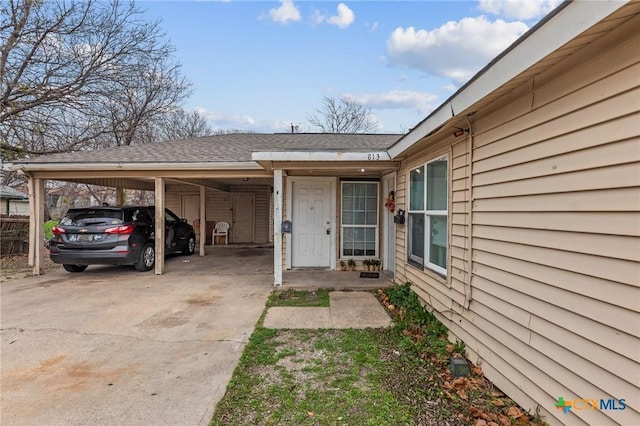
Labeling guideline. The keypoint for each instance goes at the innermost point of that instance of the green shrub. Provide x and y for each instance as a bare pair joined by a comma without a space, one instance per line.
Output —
48,226
413,319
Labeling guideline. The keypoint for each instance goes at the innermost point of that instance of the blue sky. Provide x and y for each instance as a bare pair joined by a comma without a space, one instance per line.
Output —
263,65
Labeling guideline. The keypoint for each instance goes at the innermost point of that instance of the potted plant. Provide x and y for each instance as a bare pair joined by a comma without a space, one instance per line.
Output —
375,263
343,265
352,264
367,263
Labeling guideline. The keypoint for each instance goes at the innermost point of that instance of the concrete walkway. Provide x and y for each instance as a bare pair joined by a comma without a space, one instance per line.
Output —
351,309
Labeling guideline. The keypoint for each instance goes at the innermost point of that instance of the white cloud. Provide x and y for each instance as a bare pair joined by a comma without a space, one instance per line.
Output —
344,18
225,120
396,99
285,13
518,9
456,50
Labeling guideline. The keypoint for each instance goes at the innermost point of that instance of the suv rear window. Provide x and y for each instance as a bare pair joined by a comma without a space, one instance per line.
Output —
87,217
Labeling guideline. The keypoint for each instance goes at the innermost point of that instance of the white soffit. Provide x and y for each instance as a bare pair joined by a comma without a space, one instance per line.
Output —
568,23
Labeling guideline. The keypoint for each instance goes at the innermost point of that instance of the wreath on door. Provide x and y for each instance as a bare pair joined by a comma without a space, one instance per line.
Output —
390,202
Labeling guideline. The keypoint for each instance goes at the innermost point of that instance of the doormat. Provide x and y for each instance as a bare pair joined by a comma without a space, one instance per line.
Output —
369,274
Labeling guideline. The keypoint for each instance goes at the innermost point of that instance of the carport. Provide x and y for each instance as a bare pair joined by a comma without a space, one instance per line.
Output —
140,176
231,164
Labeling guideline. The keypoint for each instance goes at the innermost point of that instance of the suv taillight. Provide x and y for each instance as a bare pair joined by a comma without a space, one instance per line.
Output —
57,230
120,230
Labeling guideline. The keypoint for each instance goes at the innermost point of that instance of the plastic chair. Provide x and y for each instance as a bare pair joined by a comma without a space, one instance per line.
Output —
221,230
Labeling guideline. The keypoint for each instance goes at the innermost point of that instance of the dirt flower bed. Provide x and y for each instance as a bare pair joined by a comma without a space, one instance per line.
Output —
12,267
473,400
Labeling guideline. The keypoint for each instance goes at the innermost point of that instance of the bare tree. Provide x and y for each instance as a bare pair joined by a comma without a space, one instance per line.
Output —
150,94
181,124
342,116
85,73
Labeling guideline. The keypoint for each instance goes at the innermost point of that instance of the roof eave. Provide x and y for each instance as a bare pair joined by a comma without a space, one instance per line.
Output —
119,166
340,156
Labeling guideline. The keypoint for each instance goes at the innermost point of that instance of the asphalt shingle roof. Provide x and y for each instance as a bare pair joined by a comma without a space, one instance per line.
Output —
11,193
235,147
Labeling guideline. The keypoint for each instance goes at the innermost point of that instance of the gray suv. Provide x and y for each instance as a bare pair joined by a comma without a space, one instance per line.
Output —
123,235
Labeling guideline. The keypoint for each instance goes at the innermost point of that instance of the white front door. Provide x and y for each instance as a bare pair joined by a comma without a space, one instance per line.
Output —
312,226
388,227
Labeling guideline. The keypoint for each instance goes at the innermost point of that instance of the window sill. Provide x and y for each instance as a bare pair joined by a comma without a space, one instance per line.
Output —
415,264
427,270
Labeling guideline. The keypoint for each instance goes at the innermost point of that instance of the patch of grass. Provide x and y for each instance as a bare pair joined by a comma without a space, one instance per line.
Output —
396,375
339,379
300,298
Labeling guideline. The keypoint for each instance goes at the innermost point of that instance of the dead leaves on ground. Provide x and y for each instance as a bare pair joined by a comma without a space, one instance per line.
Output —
488,408
478,400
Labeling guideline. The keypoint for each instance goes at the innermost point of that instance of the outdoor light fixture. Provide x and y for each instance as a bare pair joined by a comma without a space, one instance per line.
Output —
361,170
459,132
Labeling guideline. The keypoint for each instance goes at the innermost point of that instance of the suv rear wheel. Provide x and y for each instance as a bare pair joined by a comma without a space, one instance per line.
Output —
74,268
147,258
190,247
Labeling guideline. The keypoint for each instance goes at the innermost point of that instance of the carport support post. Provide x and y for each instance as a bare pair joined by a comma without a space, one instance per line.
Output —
120,196
159,244
203,219
277,227
36,225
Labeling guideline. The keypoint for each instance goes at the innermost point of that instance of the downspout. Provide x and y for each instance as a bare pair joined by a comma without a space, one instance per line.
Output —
467,284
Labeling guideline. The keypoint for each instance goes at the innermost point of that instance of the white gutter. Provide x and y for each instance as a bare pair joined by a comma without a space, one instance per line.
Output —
37,167
560,28
373,155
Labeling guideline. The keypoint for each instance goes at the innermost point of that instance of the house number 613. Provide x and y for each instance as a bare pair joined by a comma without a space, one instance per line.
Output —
373,156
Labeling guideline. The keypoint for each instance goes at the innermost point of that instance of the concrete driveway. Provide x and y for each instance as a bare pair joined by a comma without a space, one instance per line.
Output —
115,346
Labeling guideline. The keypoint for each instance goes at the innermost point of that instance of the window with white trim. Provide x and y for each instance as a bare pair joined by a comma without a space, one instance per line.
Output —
428,215
359,219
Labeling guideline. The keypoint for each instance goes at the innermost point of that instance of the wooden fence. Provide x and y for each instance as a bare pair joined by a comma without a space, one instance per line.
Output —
14,235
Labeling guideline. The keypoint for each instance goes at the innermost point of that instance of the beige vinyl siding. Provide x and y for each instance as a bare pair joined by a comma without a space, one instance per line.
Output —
219,205
555,229
271,213
401,234
559,238
174,193
459,229
446,295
